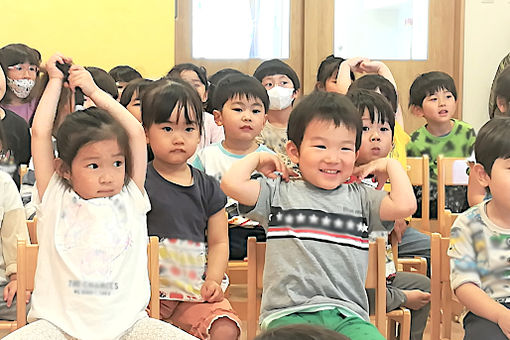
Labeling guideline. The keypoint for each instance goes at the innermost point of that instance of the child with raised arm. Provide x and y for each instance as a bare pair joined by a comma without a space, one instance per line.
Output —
91,280
187,215
317,226
240,103
433,96
479,246
406,289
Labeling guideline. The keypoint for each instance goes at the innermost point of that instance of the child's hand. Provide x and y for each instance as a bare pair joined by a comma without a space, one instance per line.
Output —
399,228
211,291
80,77
369,66
504,323
52,70
355,64
269,164
376,167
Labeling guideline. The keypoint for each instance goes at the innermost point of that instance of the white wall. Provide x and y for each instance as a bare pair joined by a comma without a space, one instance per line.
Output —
486,42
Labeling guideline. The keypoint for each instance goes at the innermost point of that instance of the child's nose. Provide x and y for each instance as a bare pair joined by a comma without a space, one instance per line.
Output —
375,136
247,117
106,177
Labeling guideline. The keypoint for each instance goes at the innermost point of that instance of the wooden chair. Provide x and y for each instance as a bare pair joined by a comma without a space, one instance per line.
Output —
376,279
237,271
418,172
442,302
27,263
32,230
450,171
415,265
23,169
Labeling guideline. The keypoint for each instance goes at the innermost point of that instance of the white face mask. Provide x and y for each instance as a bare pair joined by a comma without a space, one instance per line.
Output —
21,87
280,97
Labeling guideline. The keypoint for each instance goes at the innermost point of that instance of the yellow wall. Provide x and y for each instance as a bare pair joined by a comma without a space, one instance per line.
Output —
102,33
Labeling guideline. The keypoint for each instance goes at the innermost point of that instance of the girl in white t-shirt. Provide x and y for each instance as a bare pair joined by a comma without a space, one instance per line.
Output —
91,280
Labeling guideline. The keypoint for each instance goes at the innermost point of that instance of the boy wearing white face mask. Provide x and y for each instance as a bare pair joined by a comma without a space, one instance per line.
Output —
282,85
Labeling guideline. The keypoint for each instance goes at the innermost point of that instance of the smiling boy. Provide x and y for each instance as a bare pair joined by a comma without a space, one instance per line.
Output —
317,226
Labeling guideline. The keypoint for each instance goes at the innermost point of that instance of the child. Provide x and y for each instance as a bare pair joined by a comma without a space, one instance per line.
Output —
328,72
13,227
131,95
493,105
477,193
20,64
403,289
122,75
187,215
433,96
240,103
197,78
301,332
282,85
91,221
479,244
317,239
16,138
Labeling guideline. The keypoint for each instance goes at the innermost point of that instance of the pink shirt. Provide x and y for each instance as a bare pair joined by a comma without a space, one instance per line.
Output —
25,111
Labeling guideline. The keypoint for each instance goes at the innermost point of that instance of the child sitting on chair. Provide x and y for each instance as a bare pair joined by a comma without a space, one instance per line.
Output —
479,242
317,226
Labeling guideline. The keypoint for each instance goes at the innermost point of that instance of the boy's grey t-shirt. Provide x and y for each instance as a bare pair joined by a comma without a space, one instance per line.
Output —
317,244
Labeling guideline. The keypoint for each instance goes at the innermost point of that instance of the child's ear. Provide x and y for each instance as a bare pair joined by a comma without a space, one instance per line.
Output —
292,152
481,175
217,117
416,110
295,94
502,104
62,169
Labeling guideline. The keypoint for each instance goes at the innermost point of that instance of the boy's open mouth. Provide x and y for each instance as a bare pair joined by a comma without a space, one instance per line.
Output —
330,171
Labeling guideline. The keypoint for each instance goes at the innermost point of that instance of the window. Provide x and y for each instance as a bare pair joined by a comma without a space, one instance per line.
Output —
240,29
381,29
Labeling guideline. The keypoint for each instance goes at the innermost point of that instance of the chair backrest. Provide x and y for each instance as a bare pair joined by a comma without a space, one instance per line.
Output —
376,279
440,289
418,173
32,230
450,171
27,263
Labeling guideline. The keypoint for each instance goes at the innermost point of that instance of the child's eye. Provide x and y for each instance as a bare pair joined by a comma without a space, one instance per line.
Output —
384,129
167,128
256,111
323,147
365,128
284,82
346,148
449,96
237,109
268,85
190,129
433,99
92,166
117,164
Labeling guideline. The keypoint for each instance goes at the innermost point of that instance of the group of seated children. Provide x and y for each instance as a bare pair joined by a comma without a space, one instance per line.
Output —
204,164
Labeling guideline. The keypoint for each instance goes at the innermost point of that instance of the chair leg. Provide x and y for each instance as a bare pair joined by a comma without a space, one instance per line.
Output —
405,326
392,330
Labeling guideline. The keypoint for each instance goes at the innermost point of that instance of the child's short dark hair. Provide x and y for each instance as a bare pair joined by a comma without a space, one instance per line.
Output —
374,82
163,96
213,81
426,84
124,73
301,332
104,81
134,86
14,54
502,89
328,68
375,103
327,106
175,72
492,142
276,66
241,85
89,126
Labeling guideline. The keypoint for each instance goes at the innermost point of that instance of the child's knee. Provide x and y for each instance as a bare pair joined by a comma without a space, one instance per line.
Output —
224,328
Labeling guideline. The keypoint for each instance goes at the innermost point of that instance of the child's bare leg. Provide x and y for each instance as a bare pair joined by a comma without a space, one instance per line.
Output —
224,328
